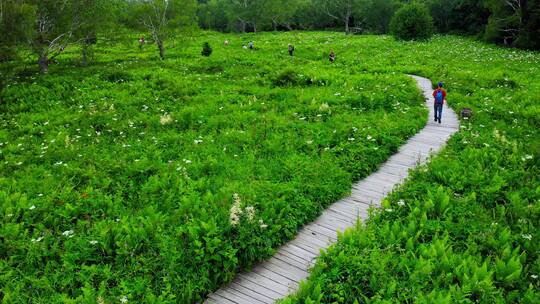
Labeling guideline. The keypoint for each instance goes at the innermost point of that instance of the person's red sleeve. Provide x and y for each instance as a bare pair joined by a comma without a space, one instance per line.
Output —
434,93
444,94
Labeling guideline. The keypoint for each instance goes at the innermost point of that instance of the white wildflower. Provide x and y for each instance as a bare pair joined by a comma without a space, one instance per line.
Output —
262,224
369,137
198,141
324,107
389,210
123,299
534,276
68,233
37,240
250,213
93,242
32,207
528,237
235,210
309,142
401,202
165,119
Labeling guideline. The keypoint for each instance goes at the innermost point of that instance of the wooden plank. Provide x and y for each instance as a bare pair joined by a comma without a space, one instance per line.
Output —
259,297
292,259
343,214
330,218
328,226
323,231
279,278
220,299
237,297
293,272
363,198
263,285
344,218
301,256
310,240
354,213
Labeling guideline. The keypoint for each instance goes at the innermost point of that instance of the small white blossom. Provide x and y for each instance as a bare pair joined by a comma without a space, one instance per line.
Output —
37,240
528,237
389,210
32,207
534,276
165,119
250,213
401,203
123,300
93,242
68,233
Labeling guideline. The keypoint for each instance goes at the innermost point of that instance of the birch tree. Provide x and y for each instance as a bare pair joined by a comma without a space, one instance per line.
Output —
163,17
340,10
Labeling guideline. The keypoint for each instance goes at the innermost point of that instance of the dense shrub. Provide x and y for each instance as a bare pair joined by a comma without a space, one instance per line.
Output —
207,50
412,22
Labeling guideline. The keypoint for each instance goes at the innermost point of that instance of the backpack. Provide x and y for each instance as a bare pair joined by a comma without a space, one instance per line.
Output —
439,97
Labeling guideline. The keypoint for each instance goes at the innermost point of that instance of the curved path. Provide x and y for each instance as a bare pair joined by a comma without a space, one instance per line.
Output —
275,278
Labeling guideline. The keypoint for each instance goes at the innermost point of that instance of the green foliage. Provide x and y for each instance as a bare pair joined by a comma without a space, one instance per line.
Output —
412,22
119,178
465,227
207,50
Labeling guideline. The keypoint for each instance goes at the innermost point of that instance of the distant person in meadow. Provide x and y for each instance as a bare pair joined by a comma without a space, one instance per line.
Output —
439,96
332,56
291,49
226,42
141,43
251,45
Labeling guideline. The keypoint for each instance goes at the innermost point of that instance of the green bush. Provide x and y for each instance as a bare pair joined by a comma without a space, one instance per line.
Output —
412,22
207,50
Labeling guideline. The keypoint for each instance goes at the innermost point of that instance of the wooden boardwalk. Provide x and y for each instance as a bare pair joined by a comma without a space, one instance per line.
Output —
275,278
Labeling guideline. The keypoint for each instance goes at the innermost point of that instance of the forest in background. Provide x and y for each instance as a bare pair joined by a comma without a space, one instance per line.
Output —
509,22
49,26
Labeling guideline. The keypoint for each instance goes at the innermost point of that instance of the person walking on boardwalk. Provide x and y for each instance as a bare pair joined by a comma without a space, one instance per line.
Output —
291,50
440,96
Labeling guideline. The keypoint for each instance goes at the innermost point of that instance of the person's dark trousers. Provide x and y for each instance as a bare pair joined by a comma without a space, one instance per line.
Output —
438,112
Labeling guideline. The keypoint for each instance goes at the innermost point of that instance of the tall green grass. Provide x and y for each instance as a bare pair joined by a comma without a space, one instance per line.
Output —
158,180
